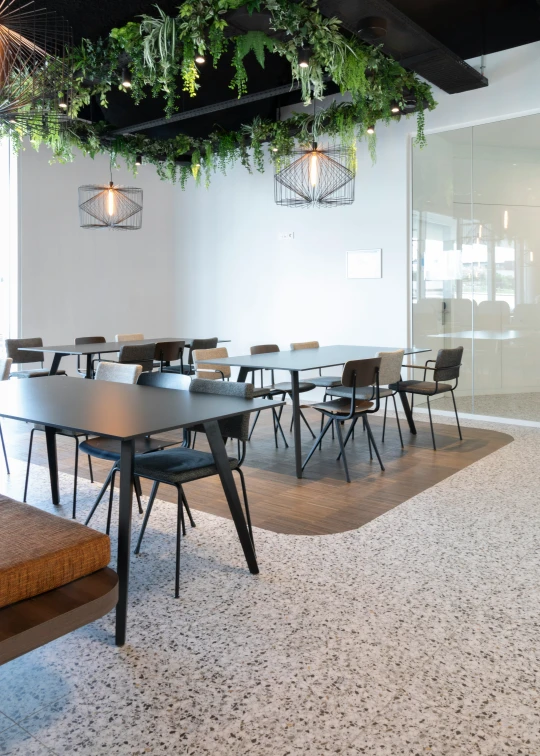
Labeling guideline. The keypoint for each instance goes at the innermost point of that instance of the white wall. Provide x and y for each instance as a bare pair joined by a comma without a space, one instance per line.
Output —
77,282
240,282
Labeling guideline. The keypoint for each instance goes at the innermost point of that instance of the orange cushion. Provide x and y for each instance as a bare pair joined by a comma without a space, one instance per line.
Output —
41,551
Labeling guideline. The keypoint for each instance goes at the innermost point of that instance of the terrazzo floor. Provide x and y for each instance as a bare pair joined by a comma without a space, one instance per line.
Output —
417,633
514,406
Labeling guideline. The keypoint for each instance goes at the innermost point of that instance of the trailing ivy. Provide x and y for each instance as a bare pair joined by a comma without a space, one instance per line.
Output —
160,52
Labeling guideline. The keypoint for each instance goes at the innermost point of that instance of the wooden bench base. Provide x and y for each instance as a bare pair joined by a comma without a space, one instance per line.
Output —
29,624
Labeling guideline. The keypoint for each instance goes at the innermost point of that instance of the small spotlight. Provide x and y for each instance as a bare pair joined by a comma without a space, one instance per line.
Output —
394,108
138,160
274,149
126,78
63,102
371,129
200,59
12,120
304,56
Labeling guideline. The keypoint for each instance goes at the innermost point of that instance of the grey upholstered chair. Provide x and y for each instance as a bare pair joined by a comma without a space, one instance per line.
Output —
357,374
129,337
178,466
321,381
446,368
80,340
109,448
389,373
138,354
14,350
106,371
283,388
5,367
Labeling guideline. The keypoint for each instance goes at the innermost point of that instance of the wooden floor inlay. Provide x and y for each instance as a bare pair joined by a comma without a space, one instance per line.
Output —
322,502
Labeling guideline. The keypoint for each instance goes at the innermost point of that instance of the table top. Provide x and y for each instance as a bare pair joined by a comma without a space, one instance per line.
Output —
116,410
483,335
108,346
307,359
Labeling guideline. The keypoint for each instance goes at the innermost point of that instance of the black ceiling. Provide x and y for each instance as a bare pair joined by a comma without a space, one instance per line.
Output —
467,28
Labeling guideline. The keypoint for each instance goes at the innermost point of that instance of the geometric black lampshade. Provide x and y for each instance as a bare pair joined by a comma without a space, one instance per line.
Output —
317,178
114,207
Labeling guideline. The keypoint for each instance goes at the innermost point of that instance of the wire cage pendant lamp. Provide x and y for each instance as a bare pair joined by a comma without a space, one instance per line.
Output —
110,206
35,76
315,177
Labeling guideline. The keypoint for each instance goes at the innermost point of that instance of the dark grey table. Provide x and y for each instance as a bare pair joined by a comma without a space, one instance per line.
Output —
108,347
127,412
310,359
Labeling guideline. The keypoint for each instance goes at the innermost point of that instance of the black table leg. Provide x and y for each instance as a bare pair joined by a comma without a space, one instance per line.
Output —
89,366
124,537
407,410
56,362
221,460
50,436
242,375
296,423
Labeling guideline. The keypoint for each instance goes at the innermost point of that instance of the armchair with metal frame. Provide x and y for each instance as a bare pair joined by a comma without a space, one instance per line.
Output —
196,344
275,389
167,352
16,350
357,374
446,368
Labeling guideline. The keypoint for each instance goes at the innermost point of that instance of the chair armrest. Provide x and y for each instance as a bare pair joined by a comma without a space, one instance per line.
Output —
418,367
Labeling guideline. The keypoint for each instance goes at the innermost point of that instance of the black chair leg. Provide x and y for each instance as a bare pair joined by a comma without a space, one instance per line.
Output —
384,421
194,439
188,510
147,515
179,519
253,425
431,423
397,420
350,433
318,441
100,496
90,466
342,447
307,424
4,450
75,476
111,495
370,436
28,463
277,427
455,410
138,492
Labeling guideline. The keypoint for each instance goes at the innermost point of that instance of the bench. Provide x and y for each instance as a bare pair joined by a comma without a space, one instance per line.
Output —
53,577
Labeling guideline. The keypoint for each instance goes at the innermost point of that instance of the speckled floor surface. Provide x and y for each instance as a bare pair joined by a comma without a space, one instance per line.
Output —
515,406
416,634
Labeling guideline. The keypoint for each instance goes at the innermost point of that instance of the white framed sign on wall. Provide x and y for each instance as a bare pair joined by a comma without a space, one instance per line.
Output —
364,263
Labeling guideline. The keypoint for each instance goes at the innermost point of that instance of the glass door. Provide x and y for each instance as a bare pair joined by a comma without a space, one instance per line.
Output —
9,267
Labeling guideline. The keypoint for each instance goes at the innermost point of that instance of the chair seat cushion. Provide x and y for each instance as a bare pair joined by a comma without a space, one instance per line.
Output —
286,387
40,551
109,448
39,373
421,387
178,465
343,406
325,381
363,393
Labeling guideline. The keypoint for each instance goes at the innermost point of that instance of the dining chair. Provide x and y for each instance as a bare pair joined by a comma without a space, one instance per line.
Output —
109,448
138,354
275,389
196,345
129,337
357,374
169,351
446,368
14,350
208,371
81,340
106,371
5,367
389,373
178,466
320,381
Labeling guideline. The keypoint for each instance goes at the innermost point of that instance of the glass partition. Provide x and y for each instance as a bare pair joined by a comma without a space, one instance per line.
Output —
476,261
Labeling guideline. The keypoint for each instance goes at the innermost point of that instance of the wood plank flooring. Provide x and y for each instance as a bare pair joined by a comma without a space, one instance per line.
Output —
322,502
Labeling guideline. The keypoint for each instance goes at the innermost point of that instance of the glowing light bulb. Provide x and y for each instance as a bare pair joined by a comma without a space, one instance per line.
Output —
370,129
313,168
200,59
110,201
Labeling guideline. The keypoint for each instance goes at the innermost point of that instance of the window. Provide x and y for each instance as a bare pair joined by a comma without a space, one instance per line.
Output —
9,258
